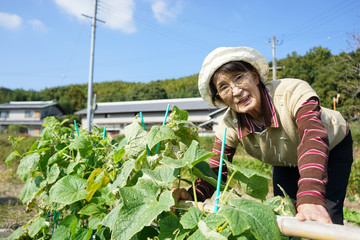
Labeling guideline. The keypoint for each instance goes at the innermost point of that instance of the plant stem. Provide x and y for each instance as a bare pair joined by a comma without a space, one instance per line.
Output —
226,200
193,185
227,186
179,178
178,206
224,225
172,213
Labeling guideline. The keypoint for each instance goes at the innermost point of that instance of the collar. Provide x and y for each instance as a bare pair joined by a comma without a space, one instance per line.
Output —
247,126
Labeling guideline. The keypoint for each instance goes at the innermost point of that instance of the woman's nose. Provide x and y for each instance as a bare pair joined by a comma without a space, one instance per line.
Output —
236,91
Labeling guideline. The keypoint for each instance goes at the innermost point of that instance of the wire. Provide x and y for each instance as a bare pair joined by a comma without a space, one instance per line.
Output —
170,33
322,18
180,37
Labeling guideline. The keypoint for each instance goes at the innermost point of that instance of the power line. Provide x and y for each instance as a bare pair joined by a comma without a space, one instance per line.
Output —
322,18
180,37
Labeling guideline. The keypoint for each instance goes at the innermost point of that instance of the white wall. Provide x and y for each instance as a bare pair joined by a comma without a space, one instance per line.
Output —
117,121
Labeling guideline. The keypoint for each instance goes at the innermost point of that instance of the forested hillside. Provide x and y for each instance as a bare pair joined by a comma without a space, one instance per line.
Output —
328,74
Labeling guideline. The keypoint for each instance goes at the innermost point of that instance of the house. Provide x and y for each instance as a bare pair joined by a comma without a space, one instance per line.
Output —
213,121
30,114
116,115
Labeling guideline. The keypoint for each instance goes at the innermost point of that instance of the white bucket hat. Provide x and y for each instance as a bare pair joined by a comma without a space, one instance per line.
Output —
223,55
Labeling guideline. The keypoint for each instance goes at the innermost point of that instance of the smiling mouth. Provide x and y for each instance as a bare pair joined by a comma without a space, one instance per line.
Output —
244,100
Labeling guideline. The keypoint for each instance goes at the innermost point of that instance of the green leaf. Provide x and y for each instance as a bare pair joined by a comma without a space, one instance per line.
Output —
136,140
54,159
111,219
214,220
195,154
352,216
106,196
192,156
282,205
83,234
61,233
70,168
94,210
68,190
70,222
123,175
27,165
157,135
11,157
162,174
94,222
142,204
80,142
47,132
185,131
53,173
17,233
147,233
202,170
191,218
103,234
170,228
197,235
38,224
51,122
208,233
15,140
118,155
178,114
244,214
253,183
31,189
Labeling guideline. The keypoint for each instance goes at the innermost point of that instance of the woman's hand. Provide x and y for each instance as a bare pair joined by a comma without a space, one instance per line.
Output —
181,194
313,212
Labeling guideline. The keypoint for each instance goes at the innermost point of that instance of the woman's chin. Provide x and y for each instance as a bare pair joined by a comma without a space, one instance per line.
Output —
243,108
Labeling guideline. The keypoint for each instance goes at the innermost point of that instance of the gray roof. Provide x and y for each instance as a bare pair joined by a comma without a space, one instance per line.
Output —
220,110
27,104
22,122
150,106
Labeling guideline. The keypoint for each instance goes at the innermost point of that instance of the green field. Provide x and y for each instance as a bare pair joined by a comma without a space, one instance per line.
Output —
12,212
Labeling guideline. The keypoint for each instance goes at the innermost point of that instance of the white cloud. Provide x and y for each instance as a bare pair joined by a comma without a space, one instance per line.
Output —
163,11
37,25
10,21
117,14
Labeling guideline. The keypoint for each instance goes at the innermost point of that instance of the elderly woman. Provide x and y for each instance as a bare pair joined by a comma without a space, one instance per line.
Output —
281,123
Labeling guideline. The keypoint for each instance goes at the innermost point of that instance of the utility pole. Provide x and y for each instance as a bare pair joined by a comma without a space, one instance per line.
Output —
274,58
91,68
273,43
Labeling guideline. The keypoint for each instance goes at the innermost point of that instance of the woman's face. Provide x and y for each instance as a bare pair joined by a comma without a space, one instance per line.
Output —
240,91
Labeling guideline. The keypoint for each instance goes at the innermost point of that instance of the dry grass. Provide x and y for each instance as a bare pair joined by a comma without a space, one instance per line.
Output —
12,211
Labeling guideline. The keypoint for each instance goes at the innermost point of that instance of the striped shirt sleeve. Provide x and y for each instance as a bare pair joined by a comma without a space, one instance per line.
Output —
205,190
312,152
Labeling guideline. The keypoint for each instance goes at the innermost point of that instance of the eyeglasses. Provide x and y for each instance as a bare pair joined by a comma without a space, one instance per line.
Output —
239,81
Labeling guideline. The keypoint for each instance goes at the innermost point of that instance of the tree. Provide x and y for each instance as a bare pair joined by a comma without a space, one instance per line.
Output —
73,100
348,67
148,91
314,68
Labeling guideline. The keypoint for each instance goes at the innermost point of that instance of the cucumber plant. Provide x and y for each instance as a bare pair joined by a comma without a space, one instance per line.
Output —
84,186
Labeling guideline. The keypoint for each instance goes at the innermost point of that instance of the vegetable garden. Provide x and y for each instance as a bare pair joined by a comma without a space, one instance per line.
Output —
86,185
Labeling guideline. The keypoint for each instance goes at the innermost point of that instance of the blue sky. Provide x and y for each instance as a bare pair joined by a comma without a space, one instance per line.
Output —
46,43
